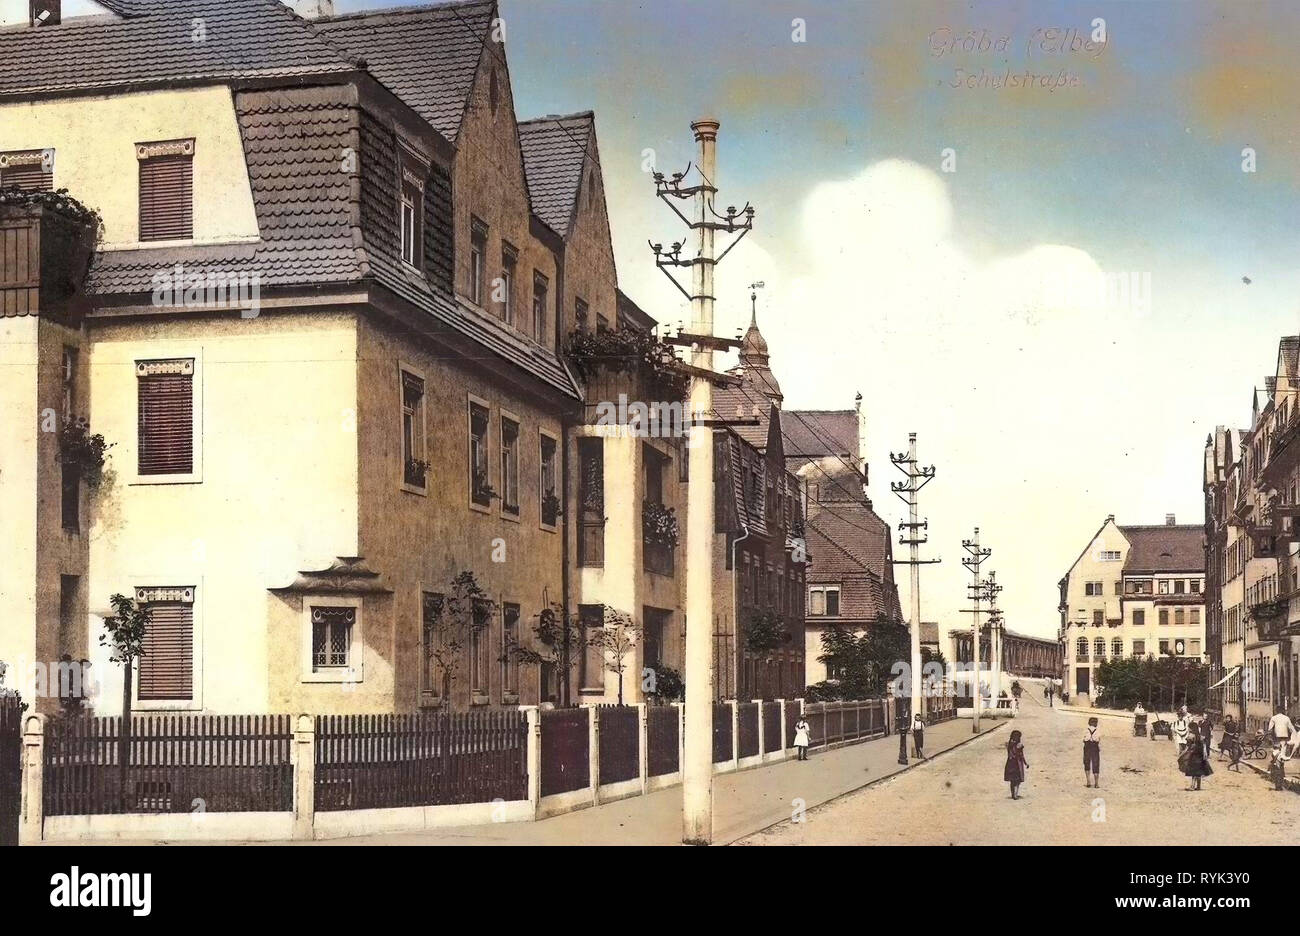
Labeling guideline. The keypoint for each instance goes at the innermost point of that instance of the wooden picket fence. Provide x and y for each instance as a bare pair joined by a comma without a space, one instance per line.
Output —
620,742
663,732
428,759
178,763
838,722
11,769
566,743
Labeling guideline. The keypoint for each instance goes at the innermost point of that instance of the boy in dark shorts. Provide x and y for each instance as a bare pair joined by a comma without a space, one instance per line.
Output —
1092,753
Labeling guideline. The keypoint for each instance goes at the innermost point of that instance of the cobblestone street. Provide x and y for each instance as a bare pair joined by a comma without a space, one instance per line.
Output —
961,799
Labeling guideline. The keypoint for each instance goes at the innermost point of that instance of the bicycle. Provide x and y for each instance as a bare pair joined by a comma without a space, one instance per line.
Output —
1256,746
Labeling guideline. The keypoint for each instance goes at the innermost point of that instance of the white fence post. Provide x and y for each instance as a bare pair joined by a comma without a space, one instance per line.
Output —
534,716
785,743
304,778
762,747
32,824
643,744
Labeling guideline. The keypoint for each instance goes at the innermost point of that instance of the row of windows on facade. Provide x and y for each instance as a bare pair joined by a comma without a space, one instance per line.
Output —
766,586
1190,616
656,469
1191,648
1162,586
166,212
165,178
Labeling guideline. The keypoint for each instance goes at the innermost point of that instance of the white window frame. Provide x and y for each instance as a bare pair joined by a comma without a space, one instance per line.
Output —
502,417
821,590
167,352
356,646
541,490
470,401
405,368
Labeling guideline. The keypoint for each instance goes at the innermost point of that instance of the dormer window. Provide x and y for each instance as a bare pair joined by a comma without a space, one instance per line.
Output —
412,215
166,190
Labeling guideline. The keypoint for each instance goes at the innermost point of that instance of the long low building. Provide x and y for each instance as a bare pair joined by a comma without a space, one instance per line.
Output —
1022,654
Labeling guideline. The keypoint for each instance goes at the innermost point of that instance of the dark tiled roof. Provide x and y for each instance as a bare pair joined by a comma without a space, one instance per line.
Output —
1164,548
555,152
815,433
427,56
155,43
292,141
741,399
848,541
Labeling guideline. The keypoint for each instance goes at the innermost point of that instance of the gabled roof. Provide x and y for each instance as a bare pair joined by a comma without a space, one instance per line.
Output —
555,153
154,43
428,55
1164,548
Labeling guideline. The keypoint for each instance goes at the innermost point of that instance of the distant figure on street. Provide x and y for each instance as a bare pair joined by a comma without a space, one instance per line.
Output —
1014,771
1207,731
801,737
1228,744
1191,759
1092,753
1139,721
1182,729
918,736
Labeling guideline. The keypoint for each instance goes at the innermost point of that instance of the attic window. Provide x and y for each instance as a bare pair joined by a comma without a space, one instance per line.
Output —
28,170
166,190
412,214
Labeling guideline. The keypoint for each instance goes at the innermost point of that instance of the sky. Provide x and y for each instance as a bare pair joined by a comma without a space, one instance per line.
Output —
938,246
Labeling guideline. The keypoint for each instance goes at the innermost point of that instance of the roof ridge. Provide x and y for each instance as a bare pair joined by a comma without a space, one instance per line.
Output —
409,10
548,118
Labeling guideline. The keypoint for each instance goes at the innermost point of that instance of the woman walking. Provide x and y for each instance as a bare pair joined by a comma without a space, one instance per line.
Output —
1192,761
1014,772
918,736
1092,753
801,737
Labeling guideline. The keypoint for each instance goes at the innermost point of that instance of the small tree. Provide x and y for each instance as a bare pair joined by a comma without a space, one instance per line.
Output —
124,637
456,621
616,640
559,643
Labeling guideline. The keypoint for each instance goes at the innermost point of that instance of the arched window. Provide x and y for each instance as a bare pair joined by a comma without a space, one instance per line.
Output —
1099,648
1081,649
1117,648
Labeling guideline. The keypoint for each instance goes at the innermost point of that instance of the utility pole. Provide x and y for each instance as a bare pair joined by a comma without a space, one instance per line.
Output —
973,561
705,222
917,478
995,633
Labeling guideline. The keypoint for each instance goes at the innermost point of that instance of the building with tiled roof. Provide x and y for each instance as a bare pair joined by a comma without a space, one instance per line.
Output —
1252,488
1134,591
327,317
851,580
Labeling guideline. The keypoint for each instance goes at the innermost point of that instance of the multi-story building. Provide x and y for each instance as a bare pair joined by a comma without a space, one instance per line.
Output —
1251,480
1134,591
301,466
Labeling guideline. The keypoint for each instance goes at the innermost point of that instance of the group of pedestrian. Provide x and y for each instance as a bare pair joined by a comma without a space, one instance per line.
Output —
1193,738
802,736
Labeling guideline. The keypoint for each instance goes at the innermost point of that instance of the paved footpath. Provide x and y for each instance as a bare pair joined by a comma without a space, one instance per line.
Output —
961,798
744,802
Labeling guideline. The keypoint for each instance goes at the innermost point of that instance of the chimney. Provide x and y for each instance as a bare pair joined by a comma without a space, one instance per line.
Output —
862,440
1110,518
314,9
45,12
1170,520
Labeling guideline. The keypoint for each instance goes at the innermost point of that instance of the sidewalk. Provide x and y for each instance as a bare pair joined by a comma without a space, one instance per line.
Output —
743,802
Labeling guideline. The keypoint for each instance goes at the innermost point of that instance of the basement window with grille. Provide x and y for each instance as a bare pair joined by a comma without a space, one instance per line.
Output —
167,665
29,170
165,437
166,190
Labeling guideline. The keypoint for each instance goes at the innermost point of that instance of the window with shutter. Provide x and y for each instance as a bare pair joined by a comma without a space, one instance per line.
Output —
29,170
167,666
166,190
165,441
